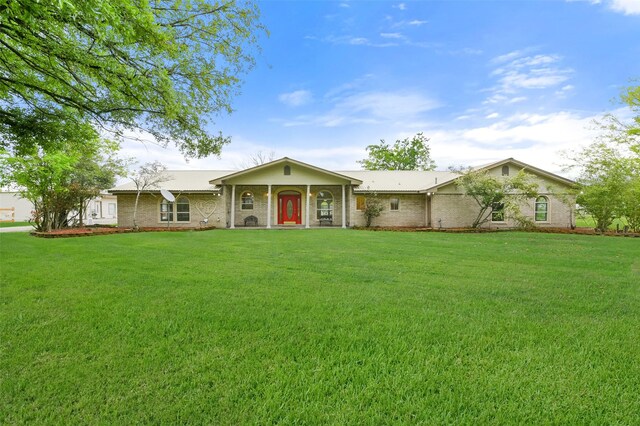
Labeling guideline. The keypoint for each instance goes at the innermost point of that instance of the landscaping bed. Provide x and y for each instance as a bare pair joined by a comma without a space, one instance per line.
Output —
106,230
577,231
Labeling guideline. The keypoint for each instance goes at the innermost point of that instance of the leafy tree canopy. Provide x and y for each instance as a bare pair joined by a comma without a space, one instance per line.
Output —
407,154
60,174
160,66
488,190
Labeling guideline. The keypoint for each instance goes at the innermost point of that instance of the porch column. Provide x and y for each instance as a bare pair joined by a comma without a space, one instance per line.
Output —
308,202
344,207
269,206
232,221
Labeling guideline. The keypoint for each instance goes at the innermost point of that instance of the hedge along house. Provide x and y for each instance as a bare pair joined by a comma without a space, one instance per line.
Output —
289,193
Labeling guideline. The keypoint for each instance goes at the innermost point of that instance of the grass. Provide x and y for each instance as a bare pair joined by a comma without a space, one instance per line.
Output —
320,326
14,224
587,221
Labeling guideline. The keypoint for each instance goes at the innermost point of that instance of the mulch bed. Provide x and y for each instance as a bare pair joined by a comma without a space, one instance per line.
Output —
107,230
580,231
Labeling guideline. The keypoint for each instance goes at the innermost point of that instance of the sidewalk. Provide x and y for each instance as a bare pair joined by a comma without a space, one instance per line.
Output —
17,229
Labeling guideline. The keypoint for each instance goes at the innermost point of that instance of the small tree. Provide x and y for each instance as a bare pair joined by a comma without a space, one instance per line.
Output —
372,209
407,154
148,176
606,180
631,204
487,191
70,165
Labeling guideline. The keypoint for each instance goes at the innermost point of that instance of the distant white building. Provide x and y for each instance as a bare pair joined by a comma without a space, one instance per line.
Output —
102,210
14,208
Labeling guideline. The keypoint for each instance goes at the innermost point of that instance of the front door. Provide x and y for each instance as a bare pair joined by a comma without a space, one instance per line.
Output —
289,208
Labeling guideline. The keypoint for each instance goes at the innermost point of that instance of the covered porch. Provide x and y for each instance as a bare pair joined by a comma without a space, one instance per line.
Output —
287,193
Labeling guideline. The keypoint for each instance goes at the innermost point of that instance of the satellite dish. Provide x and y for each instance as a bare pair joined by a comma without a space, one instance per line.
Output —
167,195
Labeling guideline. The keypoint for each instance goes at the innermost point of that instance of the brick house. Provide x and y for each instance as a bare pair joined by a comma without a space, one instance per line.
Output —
289,193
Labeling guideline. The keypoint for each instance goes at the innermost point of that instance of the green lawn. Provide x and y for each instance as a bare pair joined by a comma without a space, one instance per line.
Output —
588,221
320,326
14,224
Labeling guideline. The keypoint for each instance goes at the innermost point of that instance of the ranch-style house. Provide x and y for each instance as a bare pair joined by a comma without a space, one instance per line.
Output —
290,193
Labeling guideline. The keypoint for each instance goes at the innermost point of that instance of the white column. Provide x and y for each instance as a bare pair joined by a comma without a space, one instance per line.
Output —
269,206
308,202
344,207
232,222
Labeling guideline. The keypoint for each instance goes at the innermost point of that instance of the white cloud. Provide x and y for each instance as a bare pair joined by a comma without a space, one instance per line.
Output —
628,7
401,6
519,71
367,108
392,35
296,98
536,139
417,23
492,115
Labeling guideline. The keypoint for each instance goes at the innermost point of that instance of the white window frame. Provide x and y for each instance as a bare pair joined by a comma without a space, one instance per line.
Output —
174,210
546,211
243,204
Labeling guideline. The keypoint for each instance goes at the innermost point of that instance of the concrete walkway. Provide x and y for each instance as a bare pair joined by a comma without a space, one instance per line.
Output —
17,229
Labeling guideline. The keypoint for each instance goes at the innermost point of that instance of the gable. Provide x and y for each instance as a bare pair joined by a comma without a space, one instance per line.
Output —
285,172
547,182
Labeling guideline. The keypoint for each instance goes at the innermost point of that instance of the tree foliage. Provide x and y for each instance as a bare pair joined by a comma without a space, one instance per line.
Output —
407,154
59,175
161,66
609,168
488,191
372,209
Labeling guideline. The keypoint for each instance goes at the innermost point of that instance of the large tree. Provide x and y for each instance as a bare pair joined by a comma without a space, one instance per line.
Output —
406,154
160,66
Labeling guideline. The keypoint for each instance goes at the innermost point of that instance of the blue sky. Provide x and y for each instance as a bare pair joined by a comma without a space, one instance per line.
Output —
485,80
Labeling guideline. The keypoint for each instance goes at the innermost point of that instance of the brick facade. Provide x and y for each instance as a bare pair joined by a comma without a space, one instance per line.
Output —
421,203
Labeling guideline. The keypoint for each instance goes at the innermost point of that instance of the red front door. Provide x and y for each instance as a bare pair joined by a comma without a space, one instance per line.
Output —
289,209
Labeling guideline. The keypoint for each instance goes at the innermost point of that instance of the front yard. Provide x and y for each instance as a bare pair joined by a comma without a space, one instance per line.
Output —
319,326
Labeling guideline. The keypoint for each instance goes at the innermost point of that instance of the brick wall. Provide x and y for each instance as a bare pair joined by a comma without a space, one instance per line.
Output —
458,211
201,206
411,211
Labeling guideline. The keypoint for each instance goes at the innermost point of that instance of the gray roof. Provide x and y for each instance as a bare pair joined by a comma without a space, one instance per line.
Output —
372,180
379,180
182,180
398,180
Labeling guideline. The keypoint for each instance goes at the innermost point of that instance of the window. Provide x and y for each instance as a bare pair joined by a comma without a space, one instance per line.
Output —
247,201
112,209
395,204
287,170
324,202
497,212
182,210
505,170
166,211
542,209
360,202
179,211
